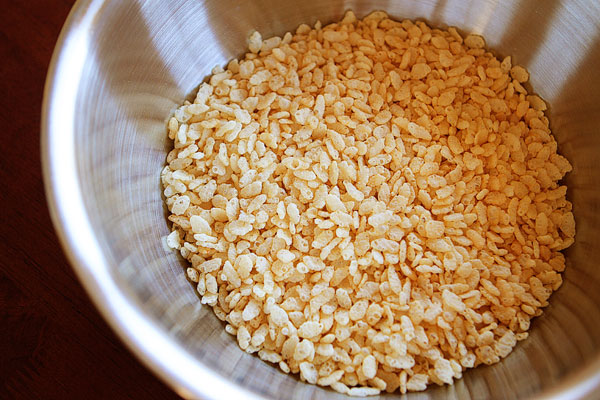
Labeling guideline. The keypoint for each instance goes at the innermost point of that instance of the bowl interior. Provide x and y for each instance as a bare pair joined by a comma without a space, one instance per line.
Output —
138,60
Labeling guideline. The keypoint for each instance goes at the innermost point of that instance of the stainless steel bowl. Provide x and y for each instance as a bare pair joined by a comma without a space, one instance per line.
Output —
121,67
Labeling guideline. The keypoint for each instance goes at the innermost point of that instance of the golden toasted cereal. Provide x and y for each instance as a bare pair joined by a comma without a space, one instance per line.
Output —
372,204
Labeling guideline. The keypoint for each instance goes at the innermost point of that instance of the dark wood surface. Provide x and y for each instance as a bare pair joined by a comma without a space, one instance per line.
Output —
53,342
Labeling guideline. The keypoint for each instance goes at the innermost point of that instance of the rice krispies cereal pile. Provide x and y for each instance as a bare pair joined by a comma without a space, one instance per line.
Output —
372,204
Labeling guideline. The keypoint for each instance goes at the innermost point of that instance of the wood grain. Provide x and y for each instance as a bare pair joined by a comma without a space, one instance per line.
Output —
53,342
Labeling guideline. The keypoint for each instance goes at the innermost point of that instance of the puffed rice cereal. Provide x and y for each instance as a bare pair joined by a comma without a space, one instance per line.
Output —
372,204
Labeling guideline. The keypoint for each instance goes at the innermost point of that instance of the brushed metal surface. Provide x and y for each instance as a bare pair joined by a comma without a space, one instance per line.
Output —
121,67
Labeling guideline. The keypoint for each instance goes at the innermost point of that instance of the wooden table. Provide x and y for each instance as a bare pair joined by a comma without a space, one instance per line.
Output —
53,342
